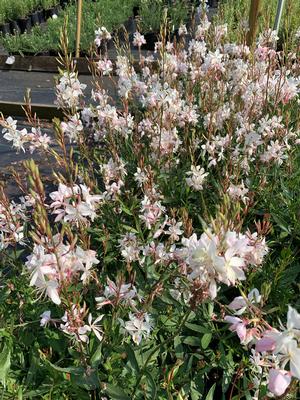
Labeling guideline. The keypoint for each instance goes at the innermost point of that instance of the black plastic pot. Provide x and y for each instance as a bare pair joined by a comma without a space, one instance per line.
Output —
5,29
57,9
213,3
24,24
35,20
50,12
136,11
105,45
151,38
41,16
14,27
43,53
64,3
130,25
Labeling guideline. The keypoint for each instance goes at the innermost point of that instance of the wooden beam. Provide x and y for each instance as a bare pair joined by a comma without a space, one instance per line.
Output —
253,19
78,31
43,111
50,64
41,64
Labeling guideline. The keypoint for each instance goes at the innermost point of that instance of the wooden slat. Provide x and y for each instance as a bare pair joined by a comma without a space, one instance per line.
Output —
50,64
43,111
253,21
41,64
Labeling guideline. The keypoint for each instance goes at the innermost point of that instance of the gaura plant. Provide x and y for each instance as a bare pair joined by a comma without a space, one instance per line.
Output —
159,267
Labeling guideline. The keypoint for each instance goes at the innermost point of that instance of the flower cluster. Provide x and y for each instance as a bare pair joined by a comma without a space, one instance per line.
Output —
20,138
222,258
12,223
69,91
74,204
55,265
275,353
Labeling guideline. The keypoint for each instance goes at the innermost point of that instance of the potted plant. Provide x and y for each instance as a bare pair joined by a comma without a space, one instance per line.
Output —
50,7
21,11
178,12
4,17
150,19
4,26
64,3
35,20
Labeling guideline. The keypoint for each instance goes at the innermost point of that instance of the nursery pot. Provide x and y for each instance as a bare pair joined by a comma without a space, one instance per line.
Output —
105,45
151,38
14,27
57,9
129,26
50,12
5,29
213,3
136,11
41,16
35,20
24,24
53,53
64,3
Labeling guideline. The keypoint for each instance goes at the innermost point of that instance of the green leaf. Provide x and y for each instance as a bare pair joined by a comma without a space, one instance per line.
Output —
129,228
96,357
192,341
4,363
87,379
116,393
132,361
179,351
210,394
151,384
197,328
206,339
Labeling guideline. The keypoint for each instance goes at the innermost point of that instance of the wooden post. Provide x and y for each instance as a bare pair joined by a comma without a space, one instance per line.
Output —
253,17
278,15
78,31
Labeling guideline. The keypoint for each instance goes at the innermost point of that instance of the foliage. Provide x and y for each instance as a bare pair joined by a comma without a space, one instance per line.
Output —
235,13
110,13
162,263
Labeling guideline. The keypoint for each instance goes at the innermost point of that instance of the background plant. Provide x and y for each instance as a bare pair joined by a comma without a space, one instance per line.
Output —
167,247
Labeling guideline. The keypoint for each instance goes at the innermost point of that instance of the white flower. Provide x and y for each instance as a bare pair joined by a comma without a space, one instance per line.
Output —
182,30
138,39
101,34
237,192
45,318
196,177
129,247
239,304
73,128
139,326
123,293
105,66
174,230
293,355
95,327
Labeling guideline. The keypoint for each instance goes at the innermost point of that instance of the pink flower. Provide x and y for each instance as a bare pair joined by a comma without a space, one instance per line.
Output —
266,343
279,380
138,39
238,325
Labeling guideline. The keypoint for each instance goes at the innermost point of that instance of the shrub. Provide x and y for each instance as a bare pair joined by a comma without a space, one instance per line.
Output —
163,260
